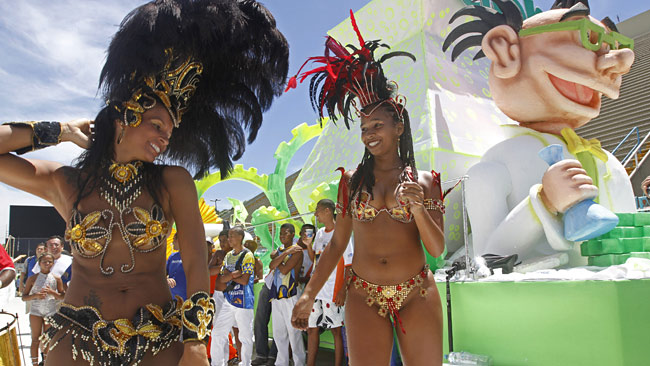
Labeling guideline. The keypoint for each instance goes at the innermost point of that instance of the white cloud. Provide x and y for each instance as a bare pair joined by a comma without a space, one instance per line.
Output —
51,56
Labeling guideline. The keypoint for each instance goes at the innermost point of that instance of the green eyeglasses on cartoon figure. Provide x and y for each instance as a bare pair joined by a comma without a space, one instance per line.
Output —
615,40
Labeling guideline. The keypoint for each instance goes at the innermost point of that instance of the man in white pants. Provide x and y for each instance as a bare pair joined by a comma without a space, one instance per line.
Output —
238,275
286,263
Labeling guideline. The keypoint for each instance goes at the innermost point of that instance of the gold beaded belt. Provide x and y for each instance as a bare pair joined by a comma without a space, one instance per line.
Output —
114,342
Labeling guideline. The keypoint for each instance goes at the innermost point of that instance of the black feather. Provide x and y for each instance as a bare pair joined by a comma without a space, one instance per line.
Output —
245,63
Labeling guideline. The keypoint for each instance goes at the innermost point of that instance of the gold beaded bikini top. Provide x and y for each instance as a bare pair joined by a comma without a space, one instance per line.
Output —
90,235
90,238
362,210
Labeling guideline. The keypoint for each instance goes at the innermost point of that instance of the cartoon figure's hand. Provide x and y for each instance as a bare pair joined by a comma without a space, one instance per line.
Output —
566,183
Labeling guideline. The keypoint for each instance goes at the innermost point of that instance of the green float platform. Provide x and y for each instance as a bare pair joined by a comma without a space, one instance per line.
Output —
555,323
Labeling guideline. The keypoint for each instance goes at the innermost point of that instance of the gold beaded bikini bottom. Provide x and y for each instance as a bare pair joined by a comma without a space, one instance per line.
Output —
390,298
114,342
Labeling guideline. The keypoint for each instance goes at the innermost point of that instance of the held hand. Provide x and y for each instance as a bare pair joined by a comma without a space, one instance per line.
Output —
194,353
77,131
564,184
339,299
301,311
171,282
50,291
294,249
235,274
411,193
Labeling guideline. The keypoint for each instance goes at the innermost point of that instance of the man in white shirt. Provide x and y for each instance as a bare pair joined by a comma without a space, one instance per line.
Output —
328,311
62,262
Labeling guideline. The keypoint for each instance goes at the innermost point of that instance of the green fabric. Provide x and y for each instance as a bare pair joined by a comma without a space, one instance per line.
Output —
552,323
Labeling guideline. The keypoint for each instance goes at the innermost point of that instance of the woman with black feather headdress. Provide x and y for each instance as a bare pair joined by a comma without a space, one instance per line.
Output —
183,80
390,206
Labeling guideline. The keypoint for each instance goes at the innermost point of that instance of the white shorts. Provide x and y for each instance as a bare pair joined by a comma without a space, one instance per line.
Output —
326,315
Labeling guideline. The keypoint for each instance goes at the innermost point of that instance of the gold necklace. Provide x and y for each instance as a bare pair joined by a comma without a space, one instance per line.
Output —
122,184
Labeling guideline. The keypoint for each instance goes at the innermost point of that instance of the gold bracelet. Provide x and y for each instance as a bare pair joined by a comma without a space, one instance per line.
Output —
44,134
434,204
196,314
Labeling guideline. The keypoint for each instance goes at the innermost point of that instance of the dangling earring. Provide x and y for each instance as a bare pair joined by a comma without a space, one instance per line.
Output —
119,138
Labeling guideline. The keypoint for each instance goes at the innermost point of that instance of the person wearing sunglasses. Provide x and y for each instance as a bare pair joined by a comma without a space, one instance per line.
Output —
548,73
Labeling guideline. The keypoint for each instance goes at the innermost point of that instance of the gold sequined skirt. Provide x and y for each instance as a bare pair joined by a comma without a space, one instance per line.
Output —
114,342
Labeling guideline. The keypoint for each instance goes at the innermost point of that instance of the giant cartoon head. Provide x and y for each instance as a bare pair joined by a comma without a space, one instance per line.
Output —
550,70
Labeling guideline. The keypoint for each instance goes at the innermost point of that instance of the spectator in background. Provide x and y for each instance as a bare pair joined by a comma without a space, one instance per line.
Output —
264,354
223,240
214,266
259,267
307,233
644,186
45,292
62,262
175,273
29,265
7,269
7,276
327,311
285,264
238,275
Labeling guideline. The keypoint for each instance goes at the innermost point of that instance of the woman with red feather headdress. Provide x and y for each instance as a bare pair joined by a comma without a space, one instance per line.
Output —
182,80
391,207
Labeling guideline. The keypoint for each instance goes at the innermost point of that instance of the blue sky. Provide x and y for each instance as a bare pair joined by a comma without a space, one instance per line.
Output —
51,53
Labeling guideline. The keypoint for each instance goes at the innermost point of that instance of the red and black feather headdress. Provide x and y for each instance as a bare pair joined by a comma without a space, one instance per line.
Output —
346,73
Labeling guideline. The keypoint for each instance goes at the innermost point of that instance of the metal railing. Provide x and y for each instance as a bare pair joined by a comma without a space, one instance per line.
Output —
634,148
635,152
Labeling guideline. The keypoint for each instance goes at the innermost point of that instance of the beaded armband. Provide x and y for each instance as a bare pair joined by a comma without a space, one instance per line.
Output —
196,314
434,204
339,208
44,134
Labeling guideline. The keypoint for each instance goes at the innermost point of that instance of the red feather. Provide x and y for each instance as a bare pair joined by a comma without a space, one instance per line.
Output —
291,84
356,29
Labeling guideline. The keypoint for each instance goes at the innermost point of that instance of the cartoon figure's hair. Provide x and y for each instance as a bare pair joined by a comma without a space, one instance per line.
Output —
475,30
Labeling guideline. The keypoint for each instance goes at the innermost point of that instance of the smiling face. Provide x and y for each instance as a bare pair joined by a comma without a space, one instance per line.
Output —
559,82
322,213
380,131
54,247
147,141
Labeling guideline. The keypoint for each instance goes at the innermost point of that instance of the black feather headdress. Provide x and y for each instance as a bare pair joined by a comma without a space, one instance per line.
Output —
216,65
350,75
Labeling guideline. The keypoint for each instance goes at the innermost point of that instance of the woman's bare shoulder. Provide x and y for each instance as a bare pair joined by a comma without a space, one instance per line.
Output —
174,174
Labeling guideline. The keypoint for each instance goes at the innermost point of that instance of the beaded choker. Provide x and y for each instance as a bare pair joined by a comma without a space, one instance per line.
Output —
122,185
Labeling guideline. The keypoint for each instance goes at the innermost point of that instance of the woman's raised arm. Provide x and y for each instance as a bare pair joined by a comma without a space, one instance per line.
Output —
37,177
